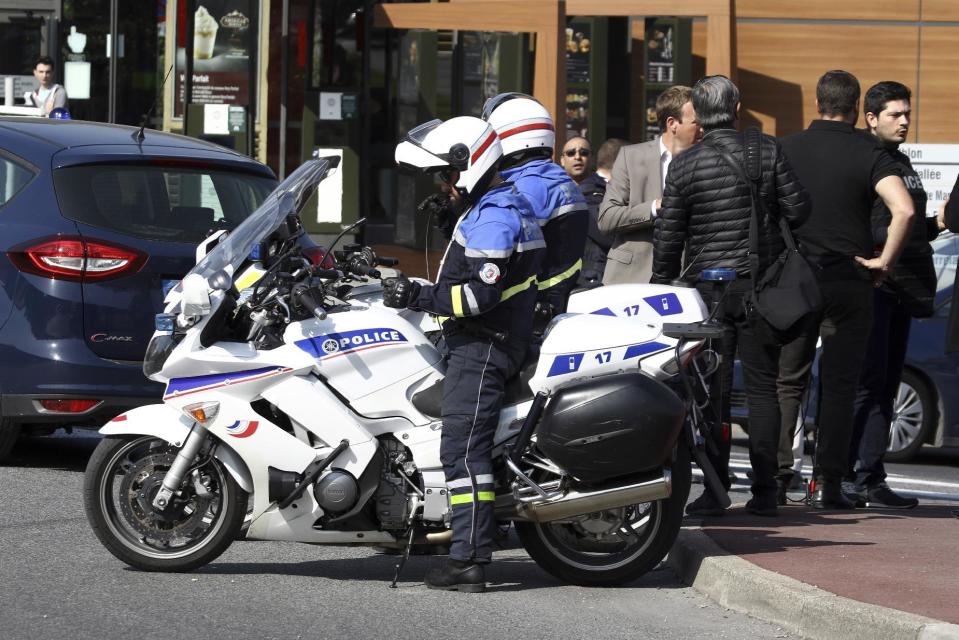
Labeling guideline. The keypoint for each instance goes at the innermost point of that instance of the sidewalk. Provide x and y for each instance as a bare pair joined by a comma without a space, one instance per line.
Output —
831,574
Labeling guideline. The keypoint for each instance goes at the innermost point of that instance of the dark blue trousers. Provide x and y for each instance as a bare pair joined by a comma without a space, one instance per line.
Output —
878,385
473,393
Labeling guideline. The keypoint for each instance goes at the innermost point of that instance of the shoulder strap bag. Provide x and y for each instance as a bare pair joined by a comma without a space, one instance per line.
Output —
788,290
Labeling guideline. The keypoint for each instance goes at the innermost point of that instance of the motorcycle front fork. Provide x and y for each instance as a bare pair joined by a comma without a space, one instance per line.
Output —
182,463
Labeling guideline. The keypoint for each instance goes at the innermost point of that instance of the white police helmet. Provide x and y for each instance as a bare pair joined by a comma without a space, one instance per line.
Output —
521,122
464,144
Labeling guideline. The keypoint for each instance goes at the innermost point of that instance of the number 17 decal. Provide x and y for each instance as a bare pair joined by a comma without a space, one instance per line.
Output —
603,357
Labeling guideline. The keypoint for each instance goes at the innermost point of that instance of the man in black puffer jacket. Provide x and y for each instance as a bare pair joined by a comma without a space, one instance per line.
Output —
704,224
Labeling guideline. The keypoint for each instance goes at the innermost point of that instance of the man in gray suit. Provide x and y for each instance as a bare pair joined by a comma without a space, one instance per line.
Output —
634,193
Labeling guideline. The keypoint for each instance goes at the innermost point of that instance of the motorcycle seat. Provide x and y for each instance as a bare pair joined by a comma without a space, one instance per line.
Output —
429,401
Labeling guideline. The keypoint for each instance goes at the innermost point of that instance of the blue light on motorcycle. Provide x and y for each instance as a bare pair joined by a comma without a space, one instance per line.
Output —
255,253
60,114
164,322
717,275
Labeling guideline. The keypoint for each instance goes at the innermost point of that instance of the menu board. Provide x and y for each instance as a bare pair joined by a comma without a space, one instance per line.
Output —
224,48
660,60
579,46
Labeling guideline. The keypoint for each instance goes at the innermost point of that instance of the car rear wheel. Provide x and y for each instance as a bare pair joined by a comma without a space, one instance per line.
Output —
9,432
914,418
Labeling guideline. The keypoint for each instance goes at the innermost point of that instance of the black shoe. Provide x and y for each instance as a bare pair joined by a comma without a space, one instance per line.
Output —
781,498
704,505
882,497
829,495
457,575
765,506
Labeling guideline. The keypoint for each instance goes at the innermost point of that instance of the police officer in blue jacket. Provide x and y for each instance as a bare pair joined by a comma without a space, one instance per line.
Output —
487,288
527,135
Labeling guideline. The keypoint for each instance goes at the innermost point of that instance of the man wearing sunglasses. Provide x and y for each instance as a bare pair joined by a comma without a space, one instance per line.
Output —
575,158
526,132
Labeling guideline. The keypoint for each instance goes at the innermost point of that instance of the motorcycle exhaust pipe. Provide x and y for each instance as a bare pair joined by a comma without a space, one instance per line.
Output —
577,503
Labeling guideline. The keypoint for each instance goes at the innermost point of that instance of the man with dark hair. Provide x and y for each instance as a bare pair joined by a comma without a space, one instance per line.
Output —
844,170
908,292
594,188
575,157
705,223
48,95
633,195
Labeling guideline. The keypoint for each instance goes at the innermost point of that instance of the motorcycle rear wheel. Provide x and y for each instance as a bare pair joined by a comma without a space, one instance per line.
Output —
204,517
569,552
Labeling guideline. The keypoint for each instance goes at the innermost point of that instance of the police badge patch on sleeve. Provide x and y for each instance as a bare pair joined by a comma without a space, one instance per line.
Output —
489,273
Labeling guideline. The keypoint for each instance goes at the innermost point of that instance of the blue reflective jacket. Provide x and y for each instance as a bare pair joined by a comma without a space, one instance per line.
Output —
562,212
490,266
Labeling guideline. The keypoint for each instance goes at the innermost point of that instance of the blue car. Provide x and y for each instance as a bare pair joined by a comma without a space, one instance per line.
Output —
97,224
926,406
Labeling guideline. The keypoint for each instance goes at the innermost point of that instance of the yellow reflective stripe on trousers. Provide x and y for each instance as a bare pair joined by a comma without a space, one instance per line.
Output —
456,296
466,498
517,288
555,280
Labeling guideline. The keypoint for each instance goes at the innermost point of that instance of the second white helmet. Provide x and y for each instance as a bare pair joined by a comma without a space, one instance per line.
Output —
464,144
522,124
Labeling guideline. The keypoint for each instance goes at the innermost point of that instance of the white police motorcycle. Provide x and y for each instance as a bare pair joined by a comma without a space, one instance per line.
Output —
295,411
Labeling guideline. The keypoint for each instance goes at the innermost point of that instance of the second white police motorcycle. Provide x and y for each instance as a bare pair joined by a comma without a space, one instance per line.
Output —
295,411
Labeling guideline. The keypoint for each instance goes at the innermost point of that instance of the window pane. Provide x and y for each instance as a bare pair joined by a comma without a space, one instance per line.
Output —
13,177
159,203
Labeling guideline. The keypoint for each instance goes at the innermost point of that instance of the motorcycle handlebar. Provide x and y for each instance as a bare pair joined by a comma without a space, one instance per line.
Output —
360,268
326,273
306,300
387,262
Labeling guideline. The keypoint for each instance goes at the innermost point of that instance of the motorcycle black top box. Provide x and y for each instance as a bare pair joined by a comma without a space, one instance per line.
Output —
611,427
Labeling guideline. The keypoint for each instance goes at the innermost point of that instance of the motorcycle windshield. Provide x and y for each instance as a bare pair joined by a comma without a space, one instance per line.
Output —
288,197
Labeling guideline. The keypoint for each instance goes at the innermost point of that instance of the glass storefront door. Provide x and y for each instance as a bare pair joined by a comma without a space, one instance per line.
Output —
28,33
139,46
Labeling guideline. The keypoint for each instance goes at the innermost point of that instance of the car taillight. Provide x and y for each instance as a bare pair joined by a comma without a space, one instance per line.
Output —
319,257
68,406
77,259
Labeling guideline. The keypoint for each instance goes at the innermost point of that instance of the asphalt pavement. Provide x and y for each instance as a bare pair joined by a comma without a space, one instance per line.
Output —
56,581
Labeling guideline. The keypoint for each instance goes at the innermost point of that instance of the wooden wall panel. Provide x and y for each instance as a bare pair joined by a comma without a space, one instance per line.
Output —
942,10
935,102
779,65
832,10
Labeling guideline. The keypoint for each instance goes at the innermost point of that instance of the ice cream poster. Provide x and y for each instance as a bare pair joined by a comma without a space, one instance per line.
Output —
224,42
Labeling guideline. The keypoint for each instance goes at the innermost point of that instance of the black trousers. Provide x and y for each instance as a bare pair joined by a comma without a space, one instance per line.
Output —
795,365
473,391
878,385
844,326
760,348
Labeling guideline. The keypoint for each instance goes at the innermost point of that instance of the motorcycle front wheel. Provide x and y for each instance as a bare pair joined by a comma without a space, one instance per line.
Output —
204,516
615,546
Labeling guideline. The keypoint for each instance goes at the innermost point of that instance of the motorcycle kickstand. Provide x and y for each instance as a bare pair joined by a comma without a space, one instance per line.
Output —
403,558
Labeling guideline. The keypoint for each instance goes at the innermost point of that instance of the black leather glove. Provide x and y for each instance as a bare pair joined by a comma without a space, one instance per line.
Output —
397,292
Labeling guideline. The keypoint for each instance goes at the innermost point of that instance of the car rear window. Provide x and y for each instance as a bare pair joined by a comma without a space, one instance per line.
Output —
156,202
13,177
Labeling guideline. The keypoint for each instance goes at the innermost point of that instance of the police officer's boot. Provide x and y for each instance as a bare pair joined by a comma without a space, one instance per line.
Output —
457,575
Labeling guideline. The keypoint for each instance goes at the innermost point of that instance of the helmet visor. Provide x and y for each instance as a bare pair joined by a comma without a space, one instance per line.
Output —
418,134
493,103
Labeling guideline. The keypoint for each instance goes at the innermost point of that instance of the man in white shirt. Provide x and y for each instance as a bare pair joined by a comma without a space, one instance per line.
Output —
634,193
48,95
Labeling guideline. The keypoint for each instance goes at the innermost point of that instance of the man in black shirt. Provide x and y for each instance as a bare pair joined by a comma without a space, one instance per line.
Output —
843,170
908,292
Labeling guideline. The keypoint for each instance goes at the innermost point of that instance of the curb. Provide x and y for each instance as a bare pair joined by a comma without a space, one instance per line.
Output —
797,607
